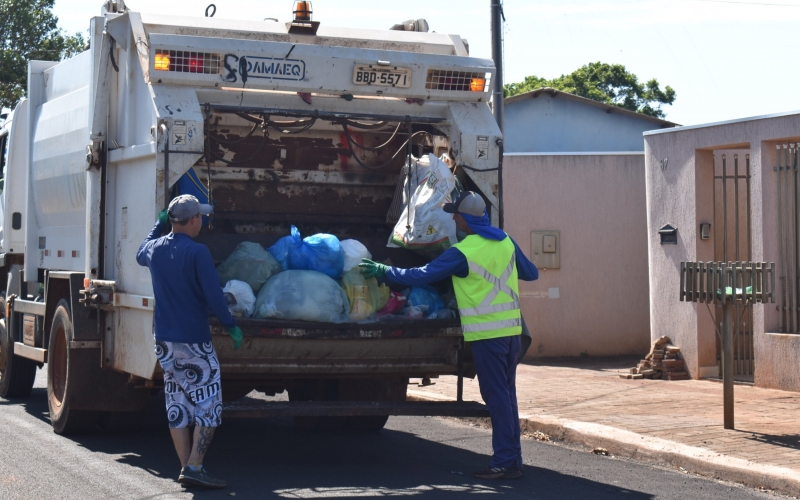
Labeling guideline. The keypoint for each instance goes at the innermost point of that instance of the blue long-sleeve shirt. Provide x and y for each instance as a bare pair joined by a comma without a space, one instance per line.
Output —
453,263
186,287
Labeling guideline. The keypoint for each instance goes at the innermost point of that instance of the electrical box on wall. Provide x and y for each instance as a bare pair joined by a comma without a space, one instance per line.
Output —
705,231
546,249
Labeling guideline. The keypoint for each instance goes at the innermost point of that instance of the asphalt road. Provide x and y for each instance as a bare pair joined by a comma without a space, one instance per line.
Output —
413,457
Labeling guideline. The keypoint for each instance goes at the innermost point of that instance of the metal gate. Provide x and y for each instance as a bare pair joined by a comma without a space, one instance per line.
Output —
788,220
733,243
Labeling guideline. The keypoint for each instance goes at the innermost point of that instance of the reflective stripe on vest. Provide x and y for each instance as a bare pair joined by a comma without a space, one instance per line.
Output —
485,306
495,325
488,297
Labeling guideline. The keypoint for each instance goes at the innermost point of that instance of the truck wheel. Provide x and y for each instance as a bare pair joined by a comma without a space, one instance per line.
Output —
64,378
317,390
16,374
371,390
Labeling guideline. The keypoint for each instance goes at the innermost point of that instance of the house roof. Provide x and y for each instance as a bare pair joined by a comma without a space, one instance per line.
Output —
609,108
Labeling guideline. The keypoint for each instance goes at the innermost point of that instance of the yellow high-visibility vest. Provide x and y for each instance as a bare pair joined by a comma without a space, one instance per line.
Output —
488,298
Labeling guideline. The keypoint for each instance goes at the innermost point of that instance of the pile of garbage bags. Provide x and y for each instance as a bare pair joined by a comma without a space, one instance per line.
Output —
317,278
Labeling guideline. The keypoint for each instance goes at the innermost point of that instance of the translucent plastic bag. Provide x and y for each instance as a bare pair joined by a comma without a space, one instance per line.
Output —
250,263
320,252
240,298
423,302
364,295
302,295
285,246
354,251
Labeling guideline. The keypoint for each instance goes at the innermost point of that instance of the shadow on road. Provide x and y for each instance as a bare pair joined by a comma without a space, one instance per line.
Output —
269,458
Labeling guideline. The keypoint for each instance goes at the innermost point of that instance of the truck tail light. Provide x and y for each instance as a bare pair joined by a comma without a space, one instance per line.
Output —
477,85
460,81
162,62
182,61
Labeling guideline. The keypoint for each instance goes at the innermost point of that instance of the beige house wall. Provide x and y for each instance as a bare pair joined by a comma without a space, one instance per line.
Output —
597,302
682,195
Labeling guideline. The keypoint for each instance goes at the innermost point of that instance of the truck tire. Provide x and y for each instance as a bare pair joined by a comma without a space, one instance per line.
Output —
16,374
66,377
317,390
371,390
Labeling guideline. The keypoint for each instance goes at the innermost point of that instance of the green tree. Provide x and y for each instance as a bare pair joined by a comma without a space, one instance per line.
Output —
607,83
29,31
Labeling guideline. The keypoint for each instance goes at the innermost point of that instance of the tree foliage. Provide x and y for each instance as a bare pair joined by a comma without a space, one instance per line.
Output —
607,83
29,31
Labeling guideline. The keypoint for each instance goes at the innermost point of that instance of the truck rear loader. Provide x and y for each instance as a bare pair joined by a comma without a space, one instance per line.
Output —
278,124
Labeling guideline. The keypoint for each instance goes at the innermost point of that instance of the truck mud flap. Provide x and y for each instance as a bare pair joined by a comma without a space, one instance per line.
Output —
259,408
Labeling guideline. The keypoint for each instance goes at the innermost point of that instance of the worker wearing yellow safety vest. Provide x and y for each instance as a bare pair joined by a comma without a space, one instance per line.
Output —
485,268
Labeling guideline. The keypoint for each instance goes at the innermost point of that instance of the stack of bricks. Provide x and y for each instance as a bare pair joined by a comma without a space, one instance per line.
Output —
663,362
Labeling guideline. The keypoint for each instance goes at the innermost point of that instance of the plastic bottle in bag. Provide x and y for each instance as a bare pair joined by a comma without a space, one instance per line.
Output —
250,263
302,295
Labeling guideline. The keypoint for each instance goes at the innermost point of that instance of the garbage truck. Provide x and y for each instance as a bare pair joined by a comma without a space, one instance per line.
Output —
276,124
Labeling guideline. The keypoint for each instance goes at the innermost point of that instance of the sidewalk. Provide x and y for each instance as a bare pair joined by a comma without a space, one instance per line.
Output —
675,423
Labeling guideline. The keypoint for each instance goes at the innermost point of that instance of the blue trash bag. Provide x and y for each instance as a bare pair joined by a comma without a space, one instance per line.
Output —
189,183
321,252
423,302
286,246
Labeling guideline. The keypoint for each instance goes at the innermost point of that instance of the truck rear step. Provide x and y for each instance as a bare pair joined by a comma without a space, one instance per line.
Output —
258,408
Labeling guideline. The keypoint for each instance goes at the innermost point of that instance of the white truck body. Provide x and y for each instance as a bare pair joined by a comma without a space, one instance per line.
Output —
85,172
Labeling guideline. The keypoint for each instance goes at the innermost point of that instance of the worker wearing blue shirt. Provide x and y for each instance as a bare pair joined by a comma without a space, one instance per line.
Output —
186,288
486,268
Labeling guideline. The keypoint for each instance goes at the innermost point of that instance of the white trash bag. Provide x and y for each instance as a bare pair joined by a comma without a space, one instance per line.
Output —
432,230
302,295
354,251
240,298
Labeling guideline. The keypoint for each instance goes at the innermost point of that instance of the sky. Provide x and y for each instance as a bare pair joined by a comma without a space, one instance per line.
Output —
726,59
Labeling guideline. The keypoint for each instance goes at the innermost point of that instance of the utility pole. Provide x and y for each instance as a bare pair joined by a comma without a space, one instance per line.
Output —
497,94
497,55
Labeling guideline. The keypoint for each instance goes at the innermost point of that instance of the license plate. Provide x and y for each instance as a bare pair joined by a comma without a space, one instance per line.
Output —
383,76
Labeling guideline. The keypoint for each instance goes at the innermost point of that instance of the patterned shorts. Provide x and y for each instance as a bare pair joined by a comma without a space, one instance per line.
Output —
191,383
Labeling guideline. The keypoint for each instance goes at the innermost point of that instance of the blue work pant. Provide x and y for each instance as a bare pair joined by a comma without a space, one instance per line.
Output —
496,365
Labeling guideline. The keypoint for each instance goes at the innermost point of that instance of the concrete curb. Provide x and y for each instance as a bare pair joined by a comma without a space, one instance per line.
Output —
653,450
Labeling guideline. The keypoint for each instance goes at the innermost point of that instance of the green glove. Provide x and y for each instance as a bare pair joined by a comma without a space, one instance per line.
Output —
372,269
163,217
236,334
